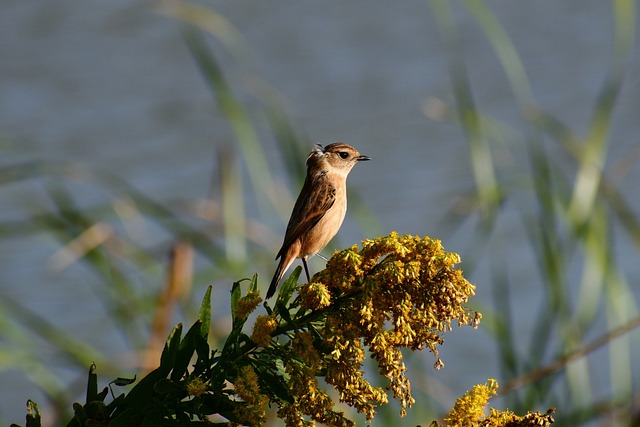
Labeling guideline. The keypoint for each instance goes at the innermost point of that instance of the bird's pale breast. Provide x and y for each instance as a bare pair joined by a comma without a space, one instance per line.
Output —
321,234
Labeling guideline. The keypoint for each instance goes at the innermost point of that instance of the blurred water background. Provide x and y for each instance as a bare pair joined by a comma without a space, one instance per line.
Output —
99,100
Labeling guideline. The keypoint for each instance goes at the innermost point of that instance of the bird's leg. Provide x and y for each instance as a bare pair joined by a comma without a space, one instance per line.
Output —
306,269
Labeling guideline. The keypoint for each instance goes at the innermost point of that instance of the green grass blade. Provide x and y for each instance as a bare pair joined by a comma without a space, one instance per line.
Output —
505,49
237,116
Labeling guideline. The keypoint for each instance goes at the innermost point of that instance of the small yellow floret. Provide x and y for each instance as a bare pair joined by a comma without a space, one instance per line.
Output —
265,324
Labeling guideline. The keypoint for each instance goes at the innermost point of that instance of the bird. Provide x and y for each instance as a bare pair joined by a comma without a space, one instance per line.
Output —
320,208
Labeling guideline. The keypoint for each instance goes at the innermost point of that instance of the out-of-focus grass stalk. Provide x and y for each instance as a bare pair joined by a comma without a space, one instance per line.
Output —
566,221
233,213
19,324
71,221
238,118
582,209
560,363
210,21
167,218
72,348
176,287
593,154
292,147
40,373
489,195
542,228
506,51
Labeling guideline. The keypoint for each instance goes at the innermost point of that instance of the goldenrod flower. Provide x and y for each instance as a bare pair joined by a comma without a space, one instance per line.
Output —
247,304
468,411
315,296
262,328
303,346
246,385
309,399
247,388
397,291
196,387
469,408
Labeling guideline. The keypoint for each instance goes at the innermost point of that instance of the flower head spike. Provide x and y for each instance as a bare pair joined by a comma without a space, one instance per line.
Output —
399,291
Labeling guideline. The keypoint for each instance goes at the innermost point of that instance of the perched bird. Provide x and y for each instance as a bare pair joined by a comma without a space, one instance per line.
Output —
320,208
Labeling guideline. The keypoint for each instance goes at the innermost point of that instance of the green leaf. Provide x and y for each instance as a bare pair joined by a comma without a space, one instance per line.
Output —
219,404
92,384
116,405
205,314
185,352
33,414
274,383
280,368
319,341
141,396
204,360
288,286
96,411
170,388
171,347
232,340
236,293
300,313
102,395
281,309
121,382
253,287
79,413
130,417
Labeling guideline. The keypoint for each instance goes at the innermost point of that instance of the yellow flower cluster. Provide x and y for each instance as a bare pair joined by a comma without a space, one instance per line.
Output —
468,411
315,295
262,328
469,408
196,387
247,304
396,291
309,398
247,388
509,419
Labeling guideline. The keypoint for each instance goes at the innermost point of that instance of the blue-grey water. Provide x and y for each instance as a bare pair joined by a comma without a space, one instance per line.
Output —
112,87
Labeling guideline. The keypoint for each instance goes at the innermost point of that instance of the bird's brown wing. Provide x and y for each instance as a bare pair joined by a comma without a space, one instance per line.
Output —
315,199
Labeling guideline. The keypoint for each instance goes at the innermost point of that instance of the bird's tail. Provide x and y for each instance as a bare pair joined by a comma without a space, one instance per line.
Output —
280,270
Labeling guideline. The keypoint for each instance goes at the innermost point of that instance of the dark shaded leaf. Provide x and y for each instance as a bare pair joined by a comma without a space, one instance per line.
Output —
288,286
185,352
121,382
205,314
236,293
141,396
171,347
33,414
169,388
92,384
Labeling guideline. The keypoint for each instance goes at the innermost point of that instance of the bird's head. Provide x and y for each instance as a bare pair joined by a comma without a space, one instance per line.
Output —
338,157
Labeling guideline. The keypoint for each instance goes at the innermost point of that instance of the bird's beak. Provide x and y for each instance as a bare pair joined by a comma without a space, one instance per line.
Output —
361,158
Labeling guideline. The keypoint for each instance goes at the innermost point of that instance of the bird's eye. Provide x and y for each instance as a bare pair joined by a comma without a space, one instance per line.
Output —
343,154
